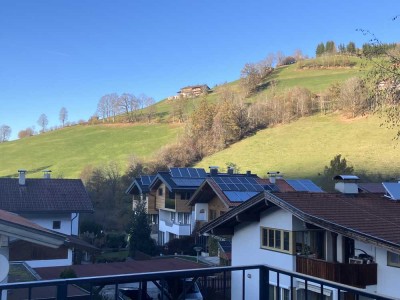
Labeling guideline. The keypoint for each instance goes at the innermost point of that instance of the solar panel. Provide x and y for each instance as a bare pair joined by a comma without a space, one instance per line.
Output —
175,172
184,172
201,172
311,186
188,172
236,196
303,185
188,182
218,180
393,189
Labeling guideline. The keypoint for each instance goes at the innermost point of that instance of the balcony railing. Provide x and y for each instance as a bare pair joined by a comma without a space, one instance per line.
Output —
358,275
111,287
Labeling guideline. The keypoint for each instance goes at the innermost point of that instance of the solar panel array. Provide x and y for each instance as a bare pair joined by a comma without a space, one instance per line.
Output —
188,182
147,179
304,185
240,184
188,173
393,189
236,196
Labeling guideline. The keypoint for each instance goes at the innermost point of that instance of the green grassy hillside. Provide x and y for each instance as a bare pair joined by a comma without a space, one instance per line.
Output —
304,147
66,152
316,80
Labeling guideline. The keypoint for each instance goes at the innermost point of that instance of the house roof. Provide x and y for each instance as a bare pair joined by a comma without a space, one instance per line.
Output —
231,189
120,268
16,226
140,185
180,179
369,217
371,187
44,195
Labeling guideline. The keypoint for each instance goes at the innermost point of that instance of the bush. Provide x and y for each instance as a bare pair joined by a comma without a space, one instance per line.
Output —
183,245
116,240
68,273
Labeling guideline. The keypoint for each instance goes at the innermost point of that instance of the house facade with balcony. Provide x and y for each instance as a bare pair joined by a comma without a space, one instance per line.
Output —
172,190
54,204
350,239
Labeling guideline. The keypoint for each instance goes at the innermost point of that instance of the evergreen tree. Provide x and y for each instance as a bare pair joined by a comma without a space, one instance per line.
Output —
140,230
351,48
330,47
320,49
341,48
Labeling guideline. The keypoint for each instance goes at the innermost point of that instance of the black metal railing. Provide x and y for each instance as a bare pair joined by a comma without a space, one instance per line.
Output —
212,283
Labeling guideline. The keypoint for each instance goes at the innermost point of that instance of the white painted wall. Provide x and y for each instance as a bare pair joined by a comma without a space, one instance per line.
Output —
46,221
247,251
201,216
51,262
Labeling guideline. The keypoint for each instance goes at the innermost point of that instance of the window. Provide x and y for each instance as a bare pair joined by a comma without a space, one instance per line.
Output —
212,214
172,216
311,243
276,239
393,259
160,191
56,224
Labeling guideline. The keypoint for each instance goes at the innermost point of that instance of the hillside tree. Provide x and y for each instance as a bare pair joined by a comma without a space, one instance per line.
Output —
139,231
330,47
26,133
5,133
351,48
63,116
320,49
43,122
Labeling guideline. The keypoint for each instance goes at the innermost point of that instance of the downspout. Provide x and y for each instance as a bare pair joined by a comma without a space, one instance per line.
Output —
72,221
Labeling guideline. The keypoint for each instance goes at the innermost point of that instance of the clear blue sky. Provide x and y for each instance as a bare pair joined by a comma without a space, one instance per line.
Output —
70,53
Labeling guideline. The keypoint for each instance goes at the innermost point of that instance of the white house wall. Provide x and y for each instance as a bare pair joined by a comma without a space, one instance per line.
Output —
46,221
388,277
201,216
247,251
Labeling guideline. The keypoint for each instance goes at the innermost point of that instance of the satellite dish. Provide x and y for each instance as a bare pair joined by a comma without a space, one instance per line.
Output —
4,267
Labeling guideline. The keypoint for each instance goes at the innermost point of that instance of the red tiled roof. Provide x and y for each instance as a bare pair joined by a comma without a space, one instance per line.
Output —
14,219
368,214
119,268
44,195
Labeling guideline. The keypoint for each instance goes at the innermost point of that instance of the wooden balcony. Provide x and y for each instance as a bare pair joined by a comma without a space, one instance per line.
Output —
358,275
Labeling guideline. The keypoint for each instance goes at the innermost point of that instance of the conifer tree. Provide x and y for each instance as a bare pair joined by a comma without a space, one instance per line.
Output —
140,230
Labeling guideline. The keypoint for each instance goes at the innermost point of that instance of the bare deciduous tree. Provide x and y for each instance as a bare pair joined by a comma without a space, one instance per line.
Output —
5,132
43,122
63,116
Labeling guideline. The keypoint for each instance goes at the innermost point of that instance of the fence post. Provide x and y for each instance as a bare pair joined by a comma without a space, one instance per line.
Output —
264,283
62,291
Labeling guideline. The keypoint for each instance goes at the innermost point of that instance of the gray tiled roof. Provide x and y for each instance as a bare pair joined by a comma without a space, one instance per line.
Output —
44,195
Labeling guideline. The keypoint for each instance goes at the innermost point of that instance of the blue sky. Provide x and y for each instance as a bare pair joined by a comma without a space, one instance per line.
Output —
63,53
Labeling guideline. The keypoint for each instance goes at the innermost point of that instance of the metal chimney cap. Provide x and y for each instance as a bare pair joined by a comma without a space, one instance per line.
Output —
346,177
22,171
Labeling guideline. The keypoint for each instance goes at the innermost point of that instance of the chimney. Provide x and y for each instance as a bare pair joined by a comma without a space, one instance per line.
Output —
230,170
47,174
346,184
272,176
248,173
213,170
21,178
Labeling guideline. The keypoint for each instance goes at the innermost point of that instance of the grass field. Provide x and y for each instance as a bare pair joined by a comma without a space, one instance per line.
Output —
304,147
66,152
